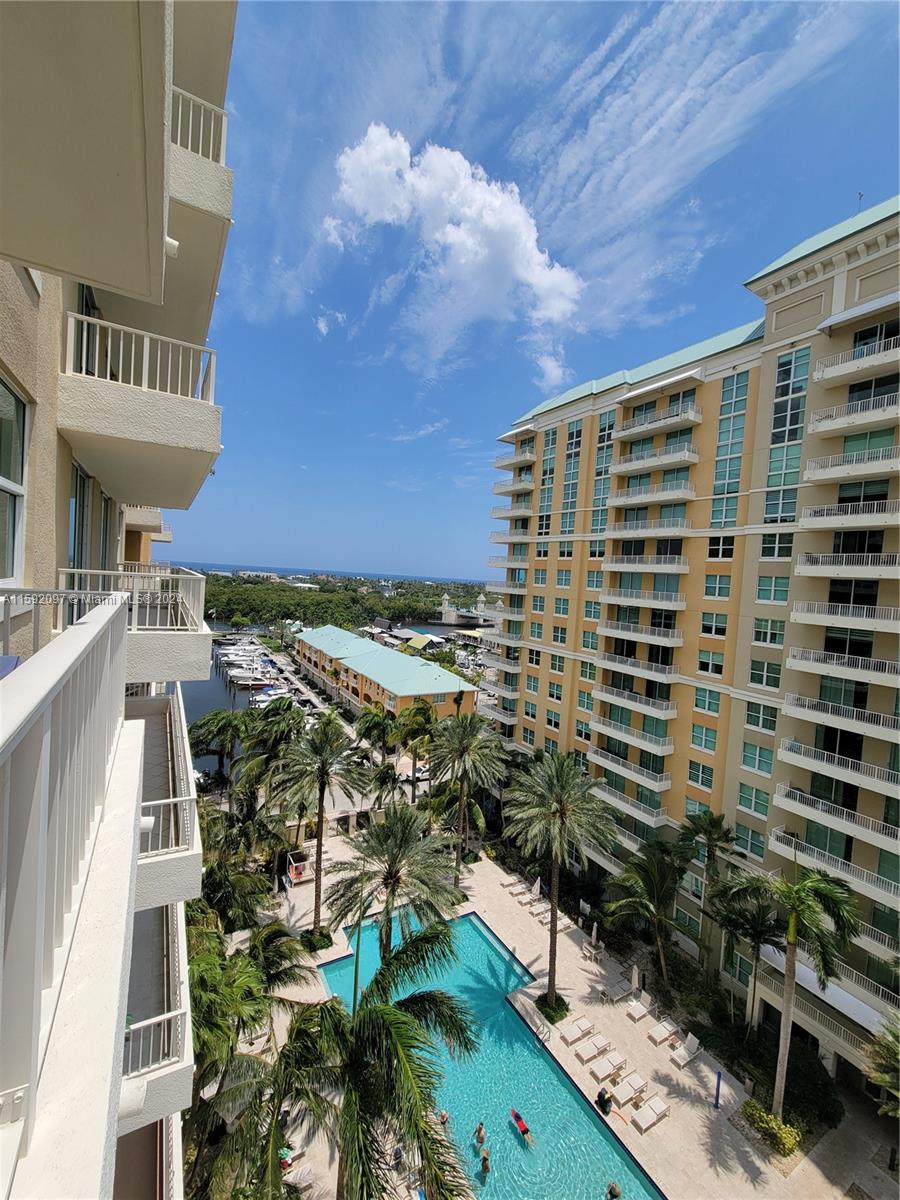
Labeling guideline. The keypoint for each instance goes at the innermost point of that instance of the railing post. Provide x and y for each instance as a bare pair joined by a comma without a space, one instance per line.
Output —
145,366
70,344
223,137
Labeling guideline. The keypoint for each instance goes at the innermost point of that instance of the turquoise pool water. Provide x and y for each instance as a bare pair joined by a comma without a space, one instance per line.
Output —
574,1155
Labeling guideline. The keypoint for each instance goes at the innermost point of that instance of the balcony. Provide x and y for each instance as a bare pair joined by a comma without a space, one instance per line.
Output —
655,780
508,511
500,612
170,854
167,636
508,561
661,564
518,589
503,538
882,671
502,638
679,416
865,514
848,566
876,887
856,415
661,527
642,704
519,458
862,774
500,689
675,456
860,464
499,663
845,616
641,633
668,600
149,1163
650,495
814,1019
604,858
867,829
635,666
877,942
842,716
157,1055
198,175
509,487
655,817
635,737
139,411
493,713
877,358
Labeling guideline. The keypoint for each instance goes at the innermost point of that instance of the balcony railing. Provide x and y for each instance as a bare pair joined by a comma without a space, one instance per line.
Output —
173,820
666,708
659,779
848,560
636,807
154,1043
159,596
854,355
199,126
503,537
645,599
853,612
843,712
786,842
506,462
635,664
641,632
651,495
662,456
493,713
818,1016
888,941
888,455
850,662
824,807
502,664
683,411
863,508
626,528
659,562
510,561
855,408
507,511
114,353
824,759
507,586
627,733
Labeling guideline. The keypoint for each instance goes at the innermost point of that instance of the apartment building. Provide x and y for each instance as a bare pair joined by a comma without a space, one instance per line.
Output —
115,206
357,671
700,600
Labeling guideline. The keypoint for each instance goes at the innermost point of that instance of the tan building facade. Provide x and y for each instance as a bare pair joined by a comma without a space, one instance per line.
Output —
701,600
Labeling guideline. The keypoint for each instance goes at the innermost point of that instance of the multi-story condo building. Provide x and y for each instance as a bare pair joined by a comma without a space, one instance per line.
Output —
700,599
115,205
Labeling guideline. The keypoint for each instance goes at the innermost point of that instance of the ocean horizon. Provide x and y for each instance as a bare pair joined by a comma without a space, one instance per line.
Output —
391,576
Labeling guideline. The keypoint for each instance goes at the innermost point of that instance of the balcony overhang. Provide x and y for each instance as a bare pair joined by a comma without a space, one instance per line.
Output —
848,315
85,170
838,997
204,36
662,385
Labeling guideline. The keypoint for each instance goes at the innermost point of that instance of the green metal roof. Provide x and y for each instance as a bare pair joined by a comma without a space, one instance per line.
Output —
862,220
679,358
402,674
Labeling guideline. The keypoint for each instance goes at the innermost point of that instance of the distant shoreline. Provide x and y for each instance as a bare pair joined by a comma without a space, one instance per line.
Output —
229,568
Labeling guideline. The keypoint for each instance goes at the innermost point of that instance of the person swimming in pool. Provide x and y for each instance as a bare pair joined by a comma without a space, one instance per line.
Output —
522,1127
479,1133
485,1161
443,1116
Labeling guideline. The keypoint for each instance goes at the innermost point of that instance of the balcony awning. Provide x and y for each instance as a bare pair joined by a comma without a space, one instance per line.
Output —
870,307
845,1003
661,385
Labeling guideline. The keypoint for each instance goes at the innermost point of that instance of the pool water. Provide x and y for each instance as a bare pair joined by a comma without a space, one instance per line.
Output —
574,1156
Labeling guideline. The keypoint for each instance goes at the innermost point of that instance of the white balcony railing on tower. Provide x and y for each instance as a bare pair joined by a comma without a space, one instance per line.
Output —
854,355
117,354
198,126
167,598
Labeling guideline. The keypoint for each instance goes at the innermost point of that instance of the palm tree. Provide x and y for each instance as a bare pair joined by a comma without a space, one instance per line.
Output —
552,811
413,731
218,733
269,733
385,784
710,828
820,911
279,957
236,895
884,1064
443,806
650,882
375,725
397,863
322,759
468,752
753,921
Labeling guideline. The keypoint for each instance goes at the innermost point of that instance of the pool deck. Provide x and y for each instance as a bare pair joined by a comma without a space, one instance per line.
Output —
693,1152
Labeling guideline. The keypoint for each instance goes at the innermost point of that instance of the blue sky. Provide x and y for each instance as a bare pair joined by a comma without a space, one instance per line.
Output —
446,213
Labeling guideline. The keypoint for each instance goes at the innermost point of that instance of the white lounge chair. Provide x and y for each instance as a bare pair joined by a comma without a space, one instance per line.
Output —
640,1008
625,1091
575,1029
663,1031
610,1065
592,1048
510,881
520,888
649,1114
562,922
540,909
682,1055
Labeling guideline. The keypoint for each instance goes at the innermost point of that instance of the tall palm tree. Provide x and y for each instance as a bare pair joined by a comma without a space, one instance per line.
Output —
385,784
313,766
236,895
710,829
375,725
279,957
650,882
468,753
443,806
751,920
397,863
269,733
413,730
553,811
884,1064
818,910
218,732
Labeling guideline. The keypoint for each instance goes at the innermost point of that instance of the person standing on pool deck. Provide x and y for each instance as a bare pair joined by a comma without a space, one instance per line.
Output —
478,1135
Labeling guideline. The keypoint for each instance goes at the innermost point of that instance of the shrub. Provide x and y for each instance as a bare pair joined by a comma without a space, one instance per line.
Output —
470,857
783,1137
553,1012
315,939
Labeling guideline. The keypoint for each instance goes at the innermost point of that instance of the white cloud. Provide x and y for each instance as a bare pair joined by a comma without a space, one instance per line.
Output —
413,435
552,372
405,485
327,319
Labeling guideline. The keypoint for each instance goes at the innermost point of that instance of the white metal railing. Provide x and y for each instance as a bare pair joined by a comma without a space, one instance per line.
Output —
602,692
506,511
855,408
511,561
768,980
847,560
640,631
888,940
501,538
851,662
501,689
851,975
503,613
505,462
857,458
626,528
674,561
605,725
154,1043
862,508
793,845
157,599
855,612
614,796
506,586
497,714
824,758
647,494
199,126
793,795
857,353
118,354
171,826
684,453
644,598
660,778
843,712
505,664
683,411
60,716
636,664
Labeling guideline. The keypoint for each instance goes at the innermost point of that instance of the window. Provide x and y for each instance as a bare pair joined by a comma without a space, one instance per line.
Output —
753,799
700,774
596,548
540,577
12,476
565,551
559,635
777,545
762,716
561,606
554,691
587,671
550,744
718,586
773,588
107,535
553,718
711,662
594,580
692,807
739,968
764,673
583,730
784,466
534,658
585,701
791,378
688,922
767,632
541,550
532,683
79,518
757,758
593,610
589,640
543,524
530,709
528,736
537,604
563,578
439,698
713,624
781,506
693,885
536,630
703,738
721,547
557,663
749,840
723,512
707,700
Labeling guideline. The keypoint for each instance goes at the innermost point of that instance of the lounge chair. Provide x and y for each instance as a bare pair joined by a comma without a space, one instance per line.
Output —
640,1008
539,908
649,1114
562,922
610,1065
682,1055
575,1028
663,1031
592,1048
608,984
510,881
521,888
299,1177
625,1091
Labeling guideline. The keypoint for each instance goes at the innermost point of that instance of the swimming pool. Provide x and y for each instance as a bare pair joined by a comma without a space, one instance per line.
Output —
574,1155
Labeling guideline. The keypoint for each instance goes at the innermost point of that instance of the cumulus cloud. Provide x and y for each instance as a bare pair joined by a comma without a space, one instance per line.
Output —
480,257
552,372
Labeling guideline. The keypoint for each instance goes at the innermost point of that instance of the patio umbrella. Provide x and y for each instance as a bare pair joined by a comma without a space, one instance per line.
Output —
635,977
594,935
536,890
